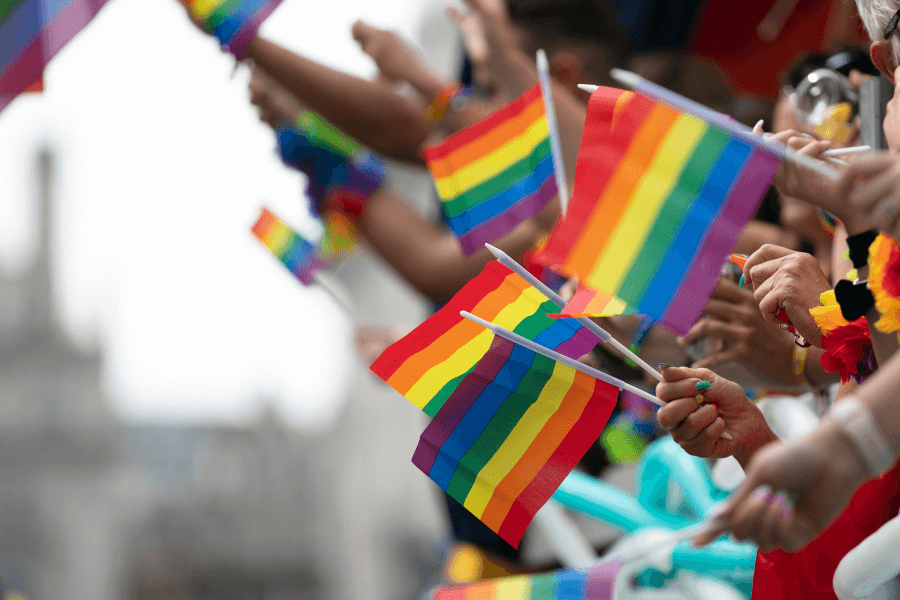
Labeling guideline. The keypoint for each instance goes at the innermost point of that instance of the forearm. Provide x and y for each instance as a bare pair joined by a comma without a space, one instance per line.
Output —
378,117
879,393
427,257
815,374
749,447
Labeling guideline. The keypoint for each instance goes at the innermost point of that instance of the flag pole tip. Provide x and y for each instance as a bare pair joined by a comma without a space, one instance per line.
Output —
624,77
498,253
542,63
590,89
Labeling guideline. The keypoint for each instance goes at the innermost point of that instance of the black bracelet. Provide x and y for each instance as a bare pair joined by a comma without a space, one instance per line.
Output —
855,299
859,247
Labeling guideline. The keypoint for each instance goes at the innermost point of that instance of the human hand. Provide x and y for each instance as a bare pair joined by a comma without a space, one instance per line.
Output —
396,60
734,318
276,105
820,472
471,27
790,281
698,427
873,182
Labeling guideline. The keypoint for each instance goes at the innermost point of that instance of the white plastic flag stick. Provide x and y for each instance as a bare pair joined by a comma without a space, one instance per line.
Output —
648,88
509,263
561,358
850,150
325,284
559,170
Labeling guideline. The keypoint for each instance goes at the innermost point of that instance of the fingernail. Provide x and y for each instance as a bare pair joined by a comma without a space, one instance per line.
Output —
741,282
806,135
702,386
785,513
699,398
715,406
663,366
758,127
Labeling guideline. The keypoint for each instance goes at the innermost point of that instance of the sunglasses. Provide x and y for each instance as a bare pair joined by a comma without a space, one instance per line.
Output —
892,25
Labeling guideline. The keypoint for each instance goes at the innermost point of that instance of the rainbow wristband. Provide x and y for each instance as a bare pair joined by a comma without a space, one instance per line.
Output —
442,103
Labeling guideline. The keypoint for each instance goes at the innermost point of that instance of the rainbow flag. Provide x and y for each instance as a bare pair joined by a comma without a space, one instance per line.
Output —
32,32
597,583
497,173
340,172
429,364
660,200
296,253
510,433
339,236
234,22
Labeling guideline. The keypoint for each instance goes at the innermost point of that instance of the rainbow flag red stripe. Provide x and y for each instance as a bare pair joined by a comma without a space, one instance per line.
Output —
509,434
497,173
429,364
660,199
31,33
597,583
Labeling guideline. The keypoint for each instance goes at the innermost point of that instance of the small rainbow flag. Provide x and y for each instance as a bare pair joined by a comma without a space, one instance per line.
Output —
497,173
296,253
338,236
339,170
32,32
429,364
660,200
234,22
597,583
510,433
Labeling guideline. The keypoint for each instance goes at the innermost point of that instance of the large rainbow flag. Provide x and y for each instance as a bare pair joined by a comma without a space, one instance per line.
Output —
660,199
31,33
429,363
497,173
234,22
295,252
597,583
510,433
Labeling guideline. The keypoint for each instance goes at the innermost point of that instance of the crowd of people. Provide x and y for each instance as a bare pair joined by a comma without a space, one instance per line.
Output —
821,251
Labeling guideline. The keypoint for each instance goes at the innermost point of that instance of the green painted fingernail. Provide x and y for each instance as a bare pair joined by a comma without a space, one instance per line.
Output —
702,386
741,282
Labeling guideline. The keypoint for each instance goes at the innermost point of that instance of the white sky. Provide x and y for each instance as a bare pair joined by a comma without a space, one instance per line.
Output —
162,167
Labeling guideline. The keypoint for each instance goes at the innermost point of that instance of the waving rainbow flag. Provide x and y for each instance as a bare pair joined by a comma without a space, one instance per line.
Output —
510,433
31,33
430,363
497,173
295,252
234,22
597,583
660,199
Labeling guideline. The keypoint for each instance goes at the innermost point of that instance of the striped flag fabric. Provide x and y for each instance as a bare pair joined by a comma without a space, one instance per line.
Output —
497,173
429,363
294,251
596,583
660,199
509,434
234,22
32,32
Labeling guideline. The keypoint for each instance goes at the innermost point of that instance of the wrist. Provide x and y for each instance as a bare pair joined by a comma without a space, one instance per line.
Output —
761,435
844,459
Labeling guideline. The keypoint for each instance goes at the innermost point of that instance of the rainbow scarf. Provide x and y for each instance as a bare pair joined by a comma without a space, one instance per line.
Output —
597,583
660,199
295,252
233,22
339,171
32,32
510,433
495,174
429,364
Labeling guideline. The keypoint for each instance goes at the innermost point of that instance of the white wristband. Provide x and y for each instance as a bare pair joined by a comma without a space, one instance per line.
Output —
857,422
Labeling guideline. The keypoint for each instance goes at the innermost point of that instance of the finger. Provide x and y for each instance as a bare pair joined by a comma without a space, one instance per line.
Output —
815,149
692,426
673,390
704,443
766,253
768,533
712,328
675,412
732,354
769,305
671,373
748,512
760,273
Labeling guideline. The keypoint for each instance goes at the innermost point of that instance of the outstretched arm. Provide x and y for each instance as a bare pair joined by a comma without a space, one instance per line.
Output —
389,123
429,258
